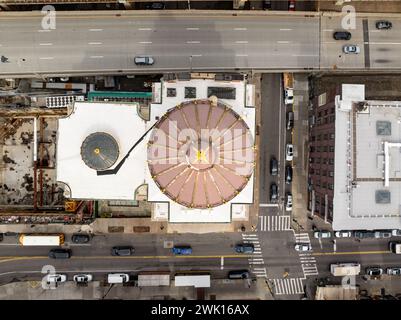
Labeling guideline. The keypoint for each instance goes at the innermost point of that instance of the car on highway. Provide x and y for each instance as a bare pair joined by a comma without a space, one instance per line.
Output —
122,251
273,192
290,120
80,238
351,48
396,233
273,166
394,271
364,234
288,174
288,202
322,234
374,271
238,274
342,35
181,250
382,234
291,5
302,247
144,61
82,278
383,25
60,253
55,278
343,234
288,96
244,248
289,152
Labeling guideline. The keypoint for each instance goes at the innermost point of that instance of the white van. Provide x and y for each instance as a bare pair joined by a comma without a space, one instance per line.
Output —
345,269
117,277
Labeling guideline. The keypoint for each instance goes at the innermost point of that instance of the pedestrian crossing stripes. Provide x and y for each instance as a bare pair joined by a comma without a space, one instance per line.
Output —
308,262
309,269
302,237
259,272
274,223
256,261
288,286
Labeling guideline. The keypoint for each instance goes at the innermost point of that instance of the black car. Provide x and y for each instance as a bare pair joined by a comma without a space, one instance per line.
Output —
60,253
290,120
273,192
342,35
238,274
155,6
80,238
363,234
383,25
1,237
267,5
288,174
374,271
273,166
122,251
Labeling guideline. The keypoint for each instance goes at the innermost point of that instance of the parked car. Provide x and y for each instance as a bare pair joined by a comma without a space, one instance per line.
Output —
352,48
82,278
80,238
374,271
60,253
383,25
122,251
288,174
289,152
288,96
155,6
322,234
396,233
383,234
302,247
244,248
273,192
273,166
117,278
181,250
56,278
394,271
290,120
342,35
144,61
364,234
267,5
238,274
1,236
291,5
343,234
288,202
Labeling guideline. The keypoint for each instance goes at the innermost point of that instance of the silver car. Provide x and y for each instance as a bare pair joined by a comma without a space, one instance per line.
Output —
302,247
351,48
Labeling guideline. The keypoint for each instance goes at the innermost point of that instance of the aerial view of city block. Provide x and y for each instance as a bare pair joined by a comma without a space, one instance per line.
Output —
200,150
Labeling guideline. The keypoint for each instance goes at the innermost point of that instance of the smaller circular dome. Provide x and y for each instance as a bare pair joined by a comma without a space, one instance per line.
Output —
99,151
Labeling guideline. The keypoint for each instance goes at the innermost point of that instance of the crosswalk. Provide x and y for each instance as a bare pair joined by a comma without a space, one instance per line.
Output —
288,286
256,261
308,262
274,223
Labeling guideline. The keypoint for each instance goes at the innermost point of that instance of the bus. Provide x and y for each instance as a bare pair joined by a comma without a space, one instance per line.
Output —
41,239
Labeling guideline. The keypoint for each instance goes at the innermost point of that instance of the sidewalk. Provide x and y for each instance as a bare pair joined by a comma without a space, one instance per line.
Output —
369,6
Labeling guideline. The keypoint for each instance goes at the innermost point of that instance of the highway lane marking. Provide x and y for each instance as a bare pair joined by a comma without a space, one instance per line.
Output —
196,55
241,41
41,58
241,55
145,29
95,30
337,253
46,44
283,42
94,43
192,29
192,42
240,29
145,42
93,57
285,29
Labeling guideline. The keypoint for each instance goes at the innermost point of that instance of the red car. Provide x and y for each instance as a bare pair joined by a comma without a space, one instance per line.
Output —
291,5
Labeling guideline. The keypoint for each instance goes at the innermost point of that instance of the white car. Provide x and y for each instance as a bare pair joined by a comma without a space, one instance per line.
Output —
395,271
83,278
351,48
343,234
289,152
56,278
322,234
288,202
289,96
396,233
302,247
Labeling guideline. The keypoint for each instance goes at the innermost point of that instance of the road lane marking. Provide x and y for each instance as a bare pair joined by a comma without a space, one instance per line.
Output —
95,57
145,42
46,44
337,253
328,30
192,42
94,43
44,30
95,30
305,55
241,55
285,29
383,43
268,205
283,42
334,245
145,29
240,29
241,41
222,263
196,55
41,58
192,29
